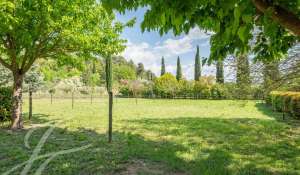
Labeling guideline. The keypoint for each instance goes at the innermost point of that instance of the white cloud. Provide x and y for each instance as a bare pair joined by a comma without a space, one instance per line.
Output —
188,71
174,46
198,34
143,53
150,55
183,45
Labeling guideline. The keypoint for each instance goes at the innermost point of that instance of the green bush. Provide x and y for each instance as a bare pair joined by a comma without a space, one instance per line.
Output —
288,102
147,91
185,89
125,91
257,92
243,92
5,103
202,90
136,88
52,91
166,86
219,91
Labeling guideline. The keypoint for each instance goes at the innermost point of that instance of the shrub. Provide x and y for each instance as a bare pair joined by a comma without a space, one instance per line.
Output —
243,92
219,91
295,105
257,92
136,88
285,102
84,91
147,91
5,103
124,91
185,88
202,89
52,91
166,86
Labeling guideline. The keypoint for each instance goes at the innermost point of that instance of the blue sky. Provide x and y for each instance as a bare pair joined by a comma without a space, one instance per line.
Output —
149,47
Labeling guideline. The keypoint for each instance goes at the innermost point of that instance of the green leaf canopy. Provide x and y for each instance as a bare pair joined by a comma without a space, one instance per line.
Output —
265,28
64,30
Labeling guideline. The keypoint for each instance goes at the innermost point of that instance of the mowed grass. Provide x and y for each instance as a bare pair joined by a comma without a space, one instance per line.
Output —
165,136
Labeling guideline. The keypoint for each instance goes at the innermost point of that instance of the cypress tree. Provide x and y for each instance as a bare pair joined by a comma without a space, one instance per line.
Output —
243,77
163,66
243,71
271,75
197,65
220,72
178,71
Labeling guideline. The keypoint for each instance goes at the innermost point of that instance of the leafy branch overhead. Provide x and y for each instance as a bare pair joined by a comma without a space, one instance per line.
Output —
64,30
266,28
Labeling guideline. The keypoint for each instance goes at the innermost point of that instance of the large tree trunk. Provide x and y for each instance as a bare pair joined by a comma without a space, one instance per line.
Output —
285,18
17,120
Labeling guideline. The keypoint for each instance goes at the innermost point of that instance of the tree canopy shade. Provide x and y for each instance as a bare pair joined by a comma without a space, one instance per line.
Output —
266,28
62,30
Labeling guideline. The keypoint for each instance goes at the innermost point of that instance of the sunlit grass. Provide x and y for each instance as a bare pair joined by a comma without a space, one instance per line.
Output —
187,136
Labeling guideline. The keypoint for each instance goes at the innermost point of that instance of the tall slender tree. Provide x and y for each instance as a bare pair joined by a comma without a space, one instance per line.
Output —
271,75
163,67
220,71
243,76
197,65
34,80
178,71
243,70
108,73
140,70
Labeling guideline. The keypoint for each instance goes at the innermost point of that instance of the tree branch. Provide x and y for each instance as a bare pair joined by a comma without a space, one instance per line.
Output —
29,64
284,17
5,64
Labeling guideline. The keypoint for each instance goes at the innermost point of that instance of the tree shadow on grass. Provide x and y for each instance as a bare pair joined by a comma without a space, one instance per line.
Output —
226,146
100,158
279,116
36,118
208,146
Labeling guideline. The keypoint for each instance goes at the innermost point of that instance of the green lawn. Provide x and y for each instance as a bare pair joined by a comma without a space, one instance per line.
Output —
158,137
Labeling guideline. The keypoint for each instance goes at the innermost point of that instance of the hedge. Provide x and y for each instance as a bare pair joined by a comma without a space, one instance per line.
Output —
288,102
5,103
